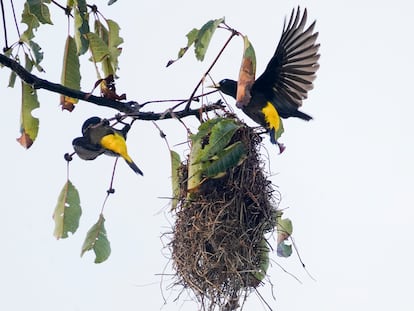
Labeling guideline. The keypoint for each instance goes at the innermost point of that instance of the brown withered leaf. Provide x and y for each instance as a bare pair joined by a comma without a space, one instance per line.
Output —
25,140
108,89
246,75
67,103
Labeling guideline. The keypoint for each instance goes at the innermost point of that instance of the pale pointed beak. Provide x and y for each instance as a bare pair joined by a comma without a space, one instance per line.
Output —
214,86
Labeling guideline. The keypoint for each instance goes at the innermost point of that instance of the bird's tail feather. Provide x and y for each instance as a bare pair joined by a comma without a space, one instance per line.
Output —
302,115
134,167
272,136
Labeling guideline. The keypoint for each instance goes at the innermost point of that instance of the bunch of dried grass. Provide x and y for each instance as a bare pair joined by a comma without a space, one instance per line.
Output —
217,243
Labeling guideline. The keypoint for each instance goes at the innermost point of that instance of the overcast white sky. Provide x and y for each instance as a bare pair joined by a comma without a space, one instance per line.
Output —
346,176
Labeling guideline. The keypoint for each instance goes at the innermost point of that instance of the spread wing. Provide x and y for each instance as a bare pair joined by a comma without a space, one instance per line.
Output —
291,71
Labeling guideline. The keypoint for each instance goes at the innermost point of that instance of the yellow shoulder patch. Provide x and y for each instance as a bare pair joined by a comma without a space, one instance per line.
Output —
116,143
271,116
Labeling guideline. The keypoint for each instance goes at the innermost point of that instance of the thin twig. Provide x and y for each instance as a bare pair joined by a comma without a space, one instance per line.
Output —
263,300
59,5
15,19
162,134
300,259
153,116
4,27
181,101
111,189
287,272
233,33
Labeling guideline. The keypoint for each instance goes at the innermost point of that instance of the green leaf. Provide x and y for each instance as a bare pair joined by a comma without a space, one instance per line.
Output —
191,37
67,211
232,156
98,47
221,134
263,251
284,250
194,168
34,13
210,156
101,31
280,130
12,79
284,231
39,9
104,45
194,165
175,178
204,37
96,240
71,76
81,17
114,41
200,38
37,52
205,128
284,227
31,21
29,125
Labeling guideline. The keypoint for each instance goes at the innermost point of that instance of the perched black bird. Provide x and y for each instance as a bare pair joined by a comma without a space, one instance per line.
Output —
288,77
99,137
82,145
85,150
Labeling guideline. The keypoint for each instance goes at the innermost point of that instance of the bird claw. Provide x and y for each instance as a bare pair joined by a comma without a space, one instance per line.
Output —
119,117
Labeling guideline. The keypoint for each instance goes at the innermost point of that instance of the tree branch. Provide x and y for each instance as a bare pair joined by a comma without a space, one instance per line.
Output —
130,108
39,83
169,114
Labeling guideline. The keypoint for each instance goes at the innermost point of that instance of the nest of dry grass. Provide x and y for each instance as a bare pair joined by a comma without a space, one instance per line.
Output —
217,243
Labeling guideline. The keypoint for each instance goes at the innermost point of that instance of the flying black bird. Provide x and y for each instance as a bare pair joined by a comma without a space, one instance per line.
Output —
288,77
99,137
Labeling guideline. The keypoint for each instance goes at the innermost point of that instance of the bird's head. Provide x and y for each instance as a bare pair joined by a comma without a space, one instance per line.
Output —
90,122
228,87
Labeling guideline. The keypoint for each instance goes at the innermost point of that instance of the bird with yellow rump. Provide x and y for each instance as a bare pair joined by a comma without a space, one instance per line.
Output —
99,137
288,77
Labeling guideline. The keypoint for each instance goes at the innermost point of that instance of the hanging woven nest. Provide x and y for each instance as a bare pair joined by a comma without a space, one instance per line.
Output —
224,205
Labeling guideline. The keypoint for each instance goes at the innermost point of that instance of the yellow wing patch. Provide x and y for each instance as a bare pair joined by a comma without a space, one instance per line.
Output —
116,143
271,116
